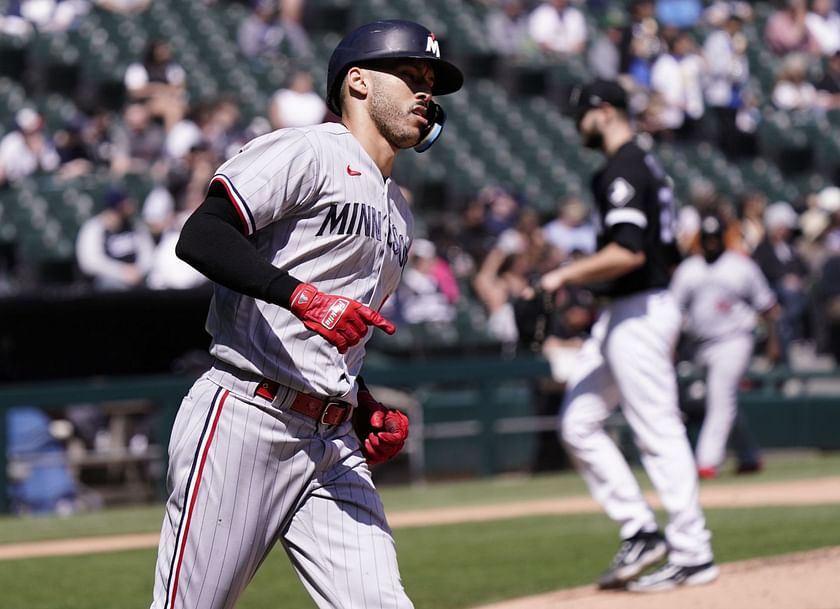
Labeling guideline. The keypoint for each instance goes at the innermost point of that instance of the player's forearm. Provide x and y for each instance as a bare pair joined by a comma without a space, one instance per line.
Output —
221,252
611,262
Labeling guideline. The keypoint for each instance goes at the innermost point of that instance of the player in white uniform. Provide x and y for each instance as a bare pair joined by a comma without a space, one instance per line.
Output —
628,359
305,235
720,291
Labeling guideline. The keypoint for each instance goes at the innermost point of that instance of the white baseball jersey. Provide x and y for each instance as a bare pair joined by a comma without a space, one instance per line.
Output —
721,298
316,205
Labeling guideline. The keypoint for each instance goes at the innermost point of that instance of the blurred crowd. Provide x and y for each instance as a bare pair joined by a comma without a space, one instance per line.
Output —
686,63
492,247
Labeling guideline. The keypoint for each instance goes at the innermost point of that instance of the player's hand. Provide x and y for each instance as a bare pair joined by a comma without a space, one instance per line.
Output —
342,321
553,280
382,431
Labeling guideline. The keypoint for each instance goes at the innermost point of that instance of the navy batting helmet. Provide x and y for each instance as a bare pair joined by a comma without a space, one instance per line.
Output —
389,39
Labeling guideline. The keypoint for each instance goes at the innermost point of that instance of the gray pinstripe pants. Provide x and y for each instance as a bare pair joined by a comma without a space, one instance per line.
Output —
245,474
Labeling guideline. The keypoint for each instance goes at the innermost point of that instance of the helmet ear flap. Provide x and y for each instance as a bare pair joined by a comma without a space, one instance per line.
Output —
436,118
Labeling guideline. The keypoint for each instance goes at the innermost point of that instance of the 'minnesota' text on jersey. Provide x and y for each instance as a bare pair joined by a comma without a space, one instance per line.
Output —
316,205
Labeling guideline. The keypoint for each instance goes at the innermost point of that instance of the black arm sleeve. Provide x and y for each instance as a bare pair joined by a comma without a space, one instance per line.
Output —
212,241
629,236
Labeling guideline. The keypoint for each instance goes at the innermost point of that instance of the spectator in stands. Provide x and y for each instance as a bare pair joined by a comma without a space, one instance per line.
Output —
75,156
751,219
792,91
50,15
604,57
827,283
571,231
160,82
501,209
14,25
557,28
507,27
167,271
124,7
640,43
224,132
471,240
678,76
506,272
291,20
166,201
260,35
829,84
823,23
158,209
138,142
786,31
718,11
113,249
679,13
27,149
428,292
187,132
98,133
728,74
815,223
297,104
785,271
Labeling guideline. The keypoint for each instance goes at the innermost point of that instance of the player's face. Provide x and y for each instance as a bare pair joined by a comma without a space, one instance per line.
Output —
399,100
712,246
589,127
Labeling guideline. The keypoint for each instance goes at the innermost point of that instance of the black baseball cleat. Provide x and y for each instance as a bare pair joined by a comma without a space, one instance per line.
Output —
751,467
670,576
635,554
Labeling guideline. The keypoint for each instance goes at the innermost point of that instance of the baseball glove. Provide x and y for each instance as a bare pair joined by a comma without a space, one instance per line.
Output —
382,431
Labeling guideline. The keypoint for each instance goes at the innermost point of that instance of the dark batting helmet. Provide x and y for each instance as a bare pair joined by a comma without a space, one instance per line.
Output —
712,235
389,39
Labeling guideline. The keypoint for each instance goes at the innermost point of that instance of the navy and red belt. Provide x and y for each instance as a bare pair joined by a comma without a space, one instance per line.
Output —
328,411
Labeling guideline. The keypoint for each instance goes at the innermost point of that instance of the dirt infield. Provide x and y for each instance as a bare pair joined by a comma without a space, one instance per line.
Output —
806,580
819,491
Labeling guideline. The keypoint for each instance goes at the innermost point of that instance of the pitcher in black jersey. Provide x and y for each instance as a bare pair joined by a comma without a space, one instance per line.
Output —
628,360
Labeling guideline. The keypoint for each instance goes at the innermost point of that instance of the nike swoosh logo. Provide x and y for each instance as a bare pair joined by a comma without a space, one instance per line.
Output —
353,172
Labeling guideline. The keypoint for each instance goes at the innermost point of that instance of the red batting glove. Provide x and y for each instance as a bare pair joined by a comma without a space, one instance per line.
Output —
381,430
342,321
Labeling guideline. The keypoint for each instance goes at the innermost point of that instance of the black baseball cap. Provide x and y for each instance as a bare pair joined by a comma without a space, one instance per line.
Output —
594,95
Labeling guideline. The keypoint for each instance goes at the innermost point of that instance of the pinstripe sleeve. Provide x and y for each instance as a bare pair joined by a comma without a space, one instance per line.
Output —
269,177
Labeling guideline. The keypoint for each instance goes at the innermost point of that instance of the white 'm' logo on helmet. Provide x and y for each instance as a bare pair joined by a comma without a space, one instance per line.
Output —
432,45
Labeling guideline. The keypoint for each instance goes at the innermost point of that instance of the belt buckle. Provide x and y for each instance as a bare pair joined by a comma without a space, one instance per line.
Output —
327,409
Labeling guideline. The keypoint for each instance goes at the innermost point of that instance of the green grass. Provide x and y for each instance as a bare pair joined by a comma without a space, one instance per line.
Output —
443,567
781,466
503,489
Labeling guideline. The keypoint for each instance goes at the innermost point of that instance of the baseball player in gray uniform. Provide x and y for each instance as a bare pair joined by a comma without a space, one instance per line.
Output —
305,236
720,291
628,359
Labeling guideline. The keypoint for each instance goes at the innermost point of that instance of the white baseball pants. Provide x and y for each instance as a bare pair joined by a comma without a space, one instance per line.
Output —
629,360
726,360
245,474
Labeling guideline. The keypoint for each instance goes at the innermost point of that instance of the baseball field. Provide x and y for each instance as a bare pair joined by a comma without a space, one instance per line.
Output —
508,543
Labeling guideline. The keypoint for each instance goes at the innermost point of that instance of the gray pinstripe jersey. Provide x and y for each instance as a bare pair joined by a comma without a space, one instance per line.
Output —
315,204
721,298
